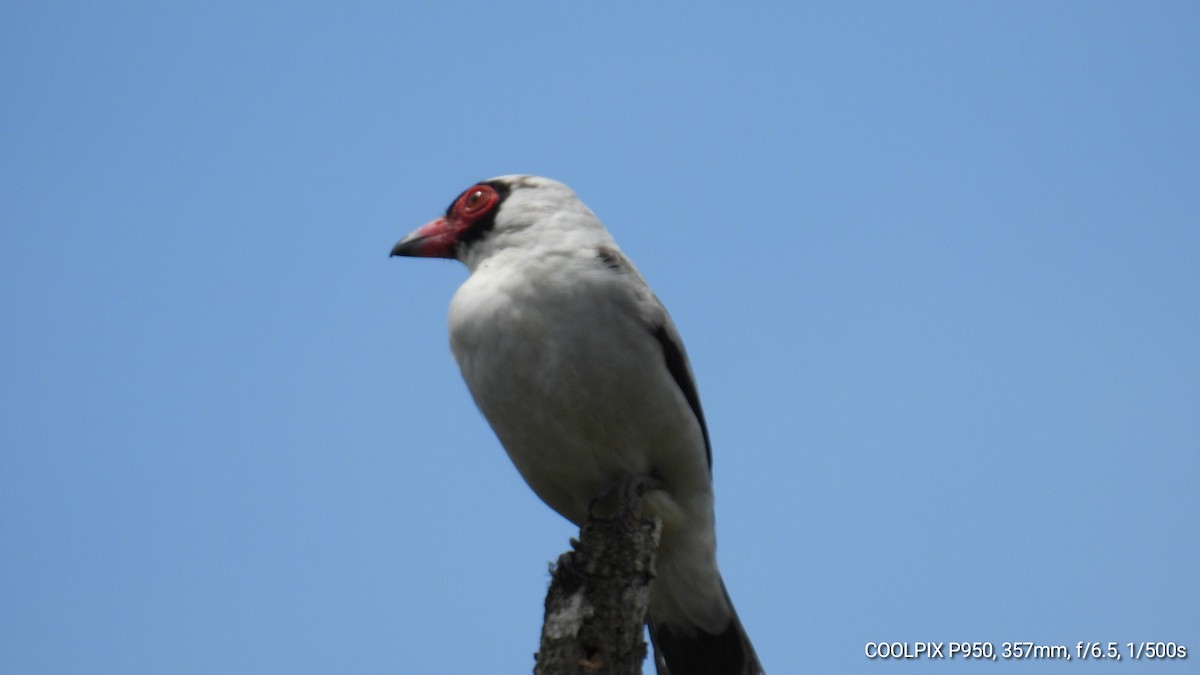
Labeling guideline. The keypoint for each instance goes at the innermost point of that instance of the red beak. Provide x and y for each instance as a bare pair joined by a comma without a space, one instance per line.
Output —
435,239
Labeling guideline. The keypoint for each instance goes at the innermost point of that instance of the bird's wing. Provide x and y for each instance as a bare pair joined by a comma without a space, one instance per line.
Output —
659,325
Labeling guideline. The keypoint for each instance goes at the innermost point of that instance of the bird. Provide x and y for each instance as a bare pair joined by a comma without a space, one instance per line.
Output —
583,377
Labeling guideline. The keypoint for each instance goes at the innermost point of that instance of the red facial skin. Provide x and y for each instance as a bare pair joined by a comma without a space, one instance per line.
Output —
439,237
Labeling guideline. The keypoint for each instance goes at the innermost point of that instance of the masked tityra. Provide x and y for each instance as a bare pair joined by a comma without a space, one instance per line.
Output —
582,375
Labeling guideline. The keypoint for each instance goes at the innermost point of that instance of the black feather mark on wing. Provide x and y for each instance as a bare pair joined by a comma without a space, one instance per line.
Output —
610,257
677,365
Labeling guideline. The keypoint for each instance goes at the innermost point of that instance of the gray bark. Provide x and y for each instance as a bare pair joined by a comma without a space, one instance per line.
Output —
600,590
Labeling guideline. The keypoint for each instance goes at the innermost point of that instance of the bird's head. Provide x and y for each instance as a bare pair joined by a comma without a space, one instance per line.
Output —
509,211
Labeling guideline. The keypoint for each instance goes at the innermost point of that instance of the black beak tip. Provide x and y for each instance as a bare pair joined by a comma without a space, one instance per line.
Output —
402,248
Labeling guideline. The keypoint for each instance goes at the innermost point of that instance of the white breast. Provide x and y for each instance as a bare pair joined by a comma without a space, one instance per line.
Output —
564,368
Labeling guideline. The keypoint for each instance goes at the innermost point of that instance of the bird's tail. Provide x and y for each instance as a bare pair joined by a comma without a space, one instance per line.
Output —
694,651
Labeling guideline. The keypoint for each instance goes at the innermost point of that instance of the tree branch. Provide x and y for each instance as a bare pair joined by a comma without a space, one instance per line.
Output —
600,590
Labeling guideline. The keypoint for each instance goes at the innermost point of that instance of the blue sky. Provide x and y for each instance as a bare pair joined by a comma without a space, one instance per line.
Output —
935,265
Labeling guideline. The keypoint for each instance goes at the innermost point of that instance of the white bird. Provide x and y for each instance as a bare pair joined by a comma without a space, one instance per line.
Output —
580,372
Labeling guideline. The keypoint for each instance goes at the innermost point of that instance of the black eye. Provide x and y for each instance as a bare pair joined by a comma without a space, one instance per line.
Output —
478,199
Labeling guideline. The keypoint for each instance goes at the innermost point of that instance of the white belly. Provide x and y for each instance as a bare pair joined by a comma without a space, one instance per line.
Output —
578,391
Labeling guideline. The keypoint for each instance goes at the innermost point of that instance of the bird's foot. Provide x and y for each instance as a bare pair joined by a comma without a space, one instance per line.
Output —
623,499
